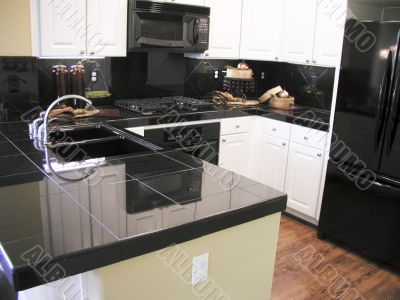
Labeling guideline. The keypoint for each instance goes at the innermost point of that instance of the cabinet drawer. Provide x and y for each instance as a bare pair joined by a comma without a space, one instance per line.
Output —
274,128
309,137
235,125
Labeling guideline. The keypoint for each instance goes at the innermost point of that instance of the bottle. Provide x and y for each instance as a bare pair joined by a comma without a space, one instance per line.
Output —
77,77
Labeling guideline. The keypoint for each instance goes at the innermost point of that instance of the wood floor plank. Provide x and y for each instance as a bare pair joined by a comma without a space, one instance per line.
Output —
309,268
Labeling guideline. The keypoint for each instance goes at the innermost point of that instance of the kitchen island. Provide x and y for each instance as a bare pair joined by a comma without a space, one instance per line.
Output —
128,226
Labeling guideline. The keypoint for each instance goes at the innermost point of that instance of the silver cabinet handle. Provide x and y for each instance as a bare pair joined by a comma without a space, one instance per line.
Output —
319,154
276,57
306,138
91,52
206,54
273,129
237,126
83,51
314,61
283,144
307,60
224,140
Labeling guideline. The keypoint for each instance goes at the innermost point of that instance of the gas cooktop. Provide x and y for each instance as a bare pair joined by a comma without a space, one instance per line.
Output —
152,106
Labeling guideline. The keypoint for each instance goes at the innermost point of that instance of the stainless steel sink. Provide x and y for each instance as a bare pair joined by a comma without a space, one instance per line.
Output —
82,143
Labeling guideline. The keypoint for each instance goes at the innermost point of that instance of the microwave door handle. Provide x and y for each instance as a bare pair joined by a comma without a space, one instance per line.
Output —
160,42
196,31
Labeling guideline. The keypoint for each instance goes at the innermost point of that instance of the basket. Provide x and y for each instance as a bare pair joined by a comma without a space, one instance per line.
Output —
281,103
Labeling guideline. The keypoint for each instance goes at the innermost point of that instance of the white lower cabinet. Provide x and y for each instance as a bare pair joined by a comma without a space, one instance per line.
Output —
144,222
272,161
175,215
303,178
108,204
234,153
286,157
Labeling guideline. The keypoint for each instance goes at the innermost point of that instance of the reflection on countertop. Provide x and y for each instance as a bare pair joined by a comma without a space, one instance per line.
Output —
162,197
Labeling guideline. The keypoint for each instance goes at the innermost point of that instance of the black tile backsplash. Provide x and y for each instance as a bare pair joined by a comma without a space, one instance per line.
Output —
311,86
27,81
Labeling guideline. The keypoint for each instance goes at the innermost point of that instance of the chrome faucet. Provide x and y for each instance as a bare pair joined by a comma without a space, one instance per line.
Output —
47,113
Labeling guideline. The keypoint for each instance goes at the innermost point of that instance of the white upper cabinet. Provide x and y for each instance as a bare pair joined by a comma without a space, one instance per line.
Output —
303,178
107,27
82,28
329,33
299,30
261,29
224,28
62,32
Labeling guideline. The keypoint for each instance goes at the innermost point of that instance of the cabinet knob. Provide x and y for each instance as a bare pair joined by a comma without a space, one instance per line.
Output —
82,51
306,138
91,52
237,126
314,61
283,144
273,129
307,60
319,154
276,57
224,140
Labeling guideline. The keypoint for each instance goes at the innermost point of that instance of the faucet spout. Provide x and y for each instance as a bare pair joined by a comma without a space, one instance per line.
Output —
52,105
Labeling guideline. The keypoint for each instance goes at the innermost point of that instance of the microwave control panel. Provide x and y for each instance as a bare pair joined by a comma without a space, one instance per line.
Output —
203,30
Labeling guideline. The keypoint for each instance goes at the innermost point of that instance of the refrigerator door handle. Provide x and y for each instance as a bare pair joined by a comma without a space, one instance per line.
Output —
393,110
384,91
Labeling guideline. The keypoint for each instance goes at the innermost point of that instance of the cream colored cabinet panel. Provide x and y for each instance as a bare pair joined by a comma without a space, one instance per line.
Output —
144,222
303,178
175,215
106,27
224,32
262,22
329,32
299,30
234,153
108,204
62,28
271,161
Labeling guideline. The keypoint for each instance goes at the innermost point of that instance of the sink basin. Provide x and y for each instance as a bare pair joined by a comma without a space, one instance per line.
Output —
82,151
79,134
91,142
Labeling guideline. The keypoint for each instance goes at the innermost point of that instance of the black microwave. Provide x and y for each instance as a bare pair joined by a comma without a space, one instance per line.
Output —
161,26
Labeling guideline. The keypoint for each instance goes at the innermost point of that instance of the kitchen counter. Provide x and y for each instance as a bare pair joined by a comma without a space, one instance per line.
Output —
55,224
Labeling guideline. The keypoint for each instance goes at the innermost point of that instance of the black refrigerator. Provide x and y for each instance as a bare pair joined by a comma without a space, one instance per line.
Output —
361,201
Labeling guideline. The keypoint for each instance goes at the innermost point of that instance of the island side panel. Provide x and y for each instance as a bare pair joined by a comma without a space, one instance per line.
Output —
241,265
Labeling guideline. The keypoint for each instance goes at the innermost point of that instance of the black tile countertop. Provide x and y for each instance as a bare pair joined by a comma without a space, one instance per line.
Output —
55,224
303,116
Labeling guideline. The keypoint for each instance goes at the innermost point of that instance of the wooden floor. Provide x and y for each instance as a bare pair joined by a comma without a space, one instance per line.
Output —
309,268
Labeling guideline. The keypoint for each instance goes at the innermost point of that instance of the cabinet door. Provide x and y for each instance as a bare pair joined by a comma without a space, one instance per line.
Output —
299,30
107,27
303,178
175,215
108,204
224,28
272,155
68,224
329,33
144,222
234,153
262,22
62,28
